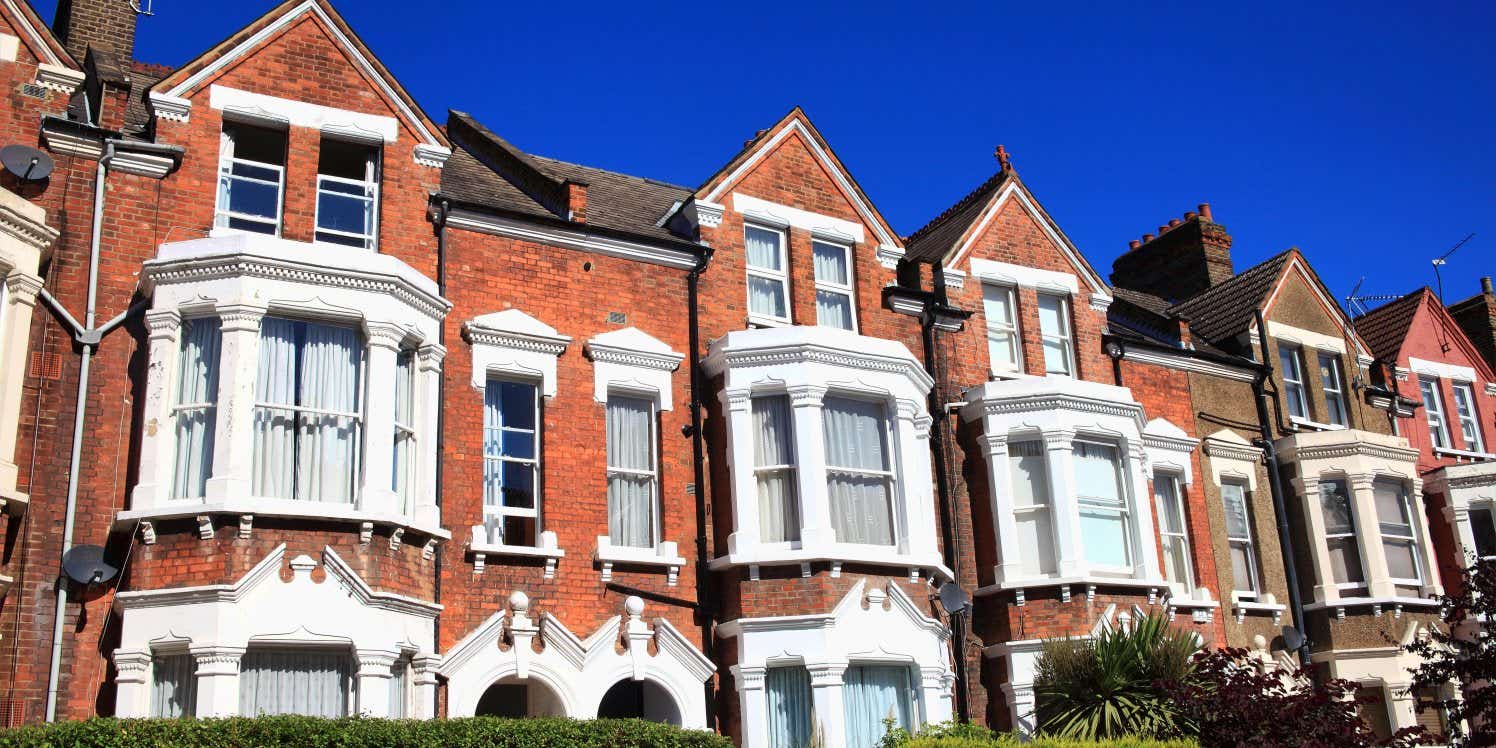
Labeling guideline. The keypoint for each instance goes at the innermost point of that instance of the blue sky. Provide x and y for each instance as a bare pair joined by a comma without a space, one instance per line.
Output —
1359,132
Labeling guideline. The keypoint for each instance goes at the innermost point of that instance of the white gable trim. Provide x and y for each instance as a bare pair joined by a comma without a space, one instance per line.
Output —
1008,274
372,128
1331,307
887,241
47,56
829,228
279,24
1441,370
1064,245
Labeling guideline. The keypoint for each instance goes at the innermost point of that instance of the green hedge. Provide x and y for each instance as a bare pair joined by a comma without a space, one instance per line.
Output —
241,732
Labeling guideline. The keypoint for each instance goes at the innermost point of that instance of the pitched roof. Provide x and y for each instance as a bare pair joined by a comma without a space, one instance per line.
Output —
137,110
1142,316
933,241
1227,308
487,171
1384,328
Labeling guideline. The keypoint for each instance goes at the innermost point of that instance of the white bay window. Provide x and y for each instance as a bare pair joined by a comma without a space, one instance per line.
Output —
1031,506
197,406
1340,536
1399,541
774,469
1103,504
173,685
858,474
405,447
305,681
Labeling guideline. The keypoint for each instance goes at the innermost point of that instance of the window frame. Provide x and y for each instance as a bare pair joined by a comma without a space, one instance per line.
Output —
1467,413
889,473
1350,503
1044,505
1065,335
1294,390
790,471
1405,504
1334,389
1489,510
405,437
1248,542
499,510
227,160
373,172
1012,329
657,527
1182,535
179,408
849,290
1124,505
1434,414
781,276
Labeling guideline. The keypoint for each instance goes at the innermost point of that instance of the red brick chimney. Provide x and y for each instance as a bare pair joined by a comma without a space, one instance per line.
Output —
106,25
576,201
1188,256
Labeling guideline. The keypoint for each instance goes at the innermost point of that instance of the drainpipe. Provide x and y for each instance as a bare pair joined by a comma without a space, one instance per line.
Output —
1275,486
704,597
88,338
938,424
440,219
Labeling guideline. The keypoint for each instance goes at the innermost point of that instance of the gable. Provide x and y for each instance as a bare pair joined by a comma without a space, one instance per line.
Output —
1300,300
793,150
295,36
1015,229
32,34
1434,335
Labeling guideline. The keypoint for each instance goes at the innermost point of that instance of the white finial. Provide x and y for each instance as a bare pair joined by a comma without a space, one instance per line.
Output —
1259,641
634,605
519,602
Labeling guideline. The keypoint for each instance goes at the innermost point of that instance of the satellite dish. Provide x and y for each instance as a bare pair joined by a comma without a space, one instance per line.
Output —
84,564
953,598
1292,639
27,163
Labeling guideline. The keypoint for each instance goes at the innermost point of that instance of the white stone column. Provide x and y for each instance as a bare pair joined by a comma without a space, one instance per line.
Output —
737,403
15,338
1145,546
810,471
1021,706
377,495
1402,708
1369,537
238,369
424,668
426,509
935,693
132,696
158,438
915,485
1060,454
1000,496
826,693
1324,576
217,680
753,701
374,675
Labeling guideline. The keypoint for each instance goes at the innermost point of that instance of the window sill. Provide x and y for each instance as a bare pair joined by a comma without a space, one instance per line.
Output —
279,508
1463,454
1241,608
1020,587
758,320
662,555
1315,425
1377,604
482,549
14,503
836,554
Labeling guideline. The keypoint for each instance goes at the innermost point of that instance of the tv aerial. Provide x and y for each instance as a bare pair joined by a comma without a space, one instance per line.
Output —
85,565
27,163
953,598
1440,261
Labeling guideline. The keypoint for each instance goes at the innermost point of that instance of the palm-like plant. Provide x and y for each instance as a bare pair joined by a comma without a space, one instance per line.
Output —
1108,686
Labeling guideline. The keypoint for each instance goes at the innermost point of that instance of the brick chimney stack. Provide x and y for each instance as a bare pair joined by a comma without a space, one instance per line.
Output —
1477,317
1187,256
106,25
576,201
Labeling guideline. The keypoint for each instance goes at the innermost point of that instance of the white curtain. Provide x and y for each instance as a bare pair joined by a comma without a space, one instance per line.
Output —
291,681
833,310
763,248
1103,512
404,456
174,686
1239,536
787,692
872,694
631,477
773,448
1029,476
857,471
399,688
300,453
833,307
197,386
765,295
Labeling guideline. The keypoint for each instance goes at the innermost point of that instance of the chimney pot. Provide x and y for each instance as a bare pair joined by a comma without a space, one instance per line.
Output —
1485,286
1147,238
1204,209
1134,244
1191,215
1174,222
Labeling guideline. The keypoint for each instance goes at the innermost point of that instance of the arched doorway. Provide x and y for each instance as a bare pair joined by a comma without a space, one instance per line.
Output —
512,697
642,699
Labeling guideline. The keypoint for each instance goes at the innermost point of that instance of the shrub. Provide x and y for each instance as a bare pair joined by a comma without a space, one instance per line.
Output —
1460,652
967,735
354,732
1109,686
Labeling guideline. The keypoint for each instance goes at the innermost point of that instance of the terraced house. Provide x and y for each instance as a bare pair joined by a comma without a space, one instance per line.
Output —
378,413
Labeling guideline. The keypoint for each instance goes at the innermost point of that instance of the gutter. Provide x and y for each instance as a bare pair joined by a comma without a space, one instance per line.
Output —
440,219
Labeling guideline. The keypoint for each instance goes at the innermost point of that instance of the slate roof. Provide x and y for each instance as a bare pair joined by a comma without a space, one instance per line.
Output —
487,171
1384,328
933,241
1136,315
1226,309
137,112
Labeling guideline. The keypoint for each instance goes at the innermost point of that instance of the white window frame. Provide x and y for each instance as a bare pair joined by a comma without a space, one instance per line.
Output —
1433,411
1065,335
1293,381
1182,535
1469,416
1011,329
791,471
1044,505
1247,542
1124,505
1350,501
890,473
657,529
179,408
848,290
1489,510
1334,388
226,161
496,512
780,276
405,430
370,185
1411,539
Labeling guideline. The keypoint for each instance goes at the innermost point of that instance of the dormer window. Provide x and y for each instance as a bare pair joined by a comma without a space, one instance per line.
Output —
833,268
347,193
251,178
768,280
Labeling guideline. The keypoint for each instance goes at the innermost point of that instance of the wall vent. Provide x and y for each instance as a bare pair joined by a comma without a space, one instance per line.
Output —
617,318
45,366
33,90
